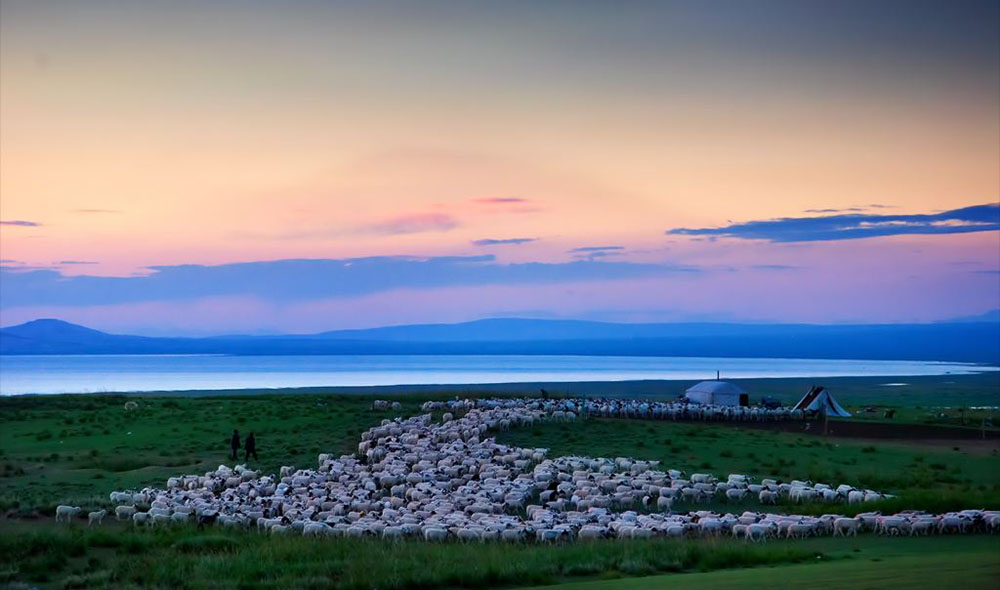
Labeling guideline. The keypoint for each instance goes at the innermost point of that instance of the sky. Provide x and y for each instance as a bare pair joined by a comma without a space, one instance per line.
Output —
257,167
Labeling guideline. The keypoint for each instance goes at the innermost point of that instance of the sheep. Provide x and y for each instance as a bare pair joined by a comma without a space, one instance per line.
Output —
757,532
207,518
66,513
435,534
178,517
414,477
96,517
846,526
893,525
158,518
120,497
951,523
735,495
316,529
768,497
124,512
140,518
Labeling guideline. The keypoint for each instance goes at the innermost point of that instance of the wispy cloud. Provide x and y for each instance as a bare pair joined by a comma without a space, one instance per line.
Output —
411,224
855,209
773,267
507,205
503,241
300,280
76,262
977,218
596,252
8,269
846,210
595,249
501,200
21,223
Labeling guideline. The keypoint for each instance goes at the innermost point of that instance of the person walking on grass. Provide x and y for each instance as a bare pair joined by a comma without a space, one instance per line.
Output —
235,443
251,448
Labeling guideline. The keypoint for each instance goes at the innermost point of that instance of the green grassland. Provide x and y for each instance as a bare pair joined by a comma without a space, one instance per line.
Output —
71,449
932,399
75,449
118,557
921,475
874,564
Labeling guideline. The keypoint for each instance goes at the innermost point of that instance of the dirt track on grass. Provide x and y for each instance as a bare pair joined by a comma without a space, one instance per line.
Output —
877,430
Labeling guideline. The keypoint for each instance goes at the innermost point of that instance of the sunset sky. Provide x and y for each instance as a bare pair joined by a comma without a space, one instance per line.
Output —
204,168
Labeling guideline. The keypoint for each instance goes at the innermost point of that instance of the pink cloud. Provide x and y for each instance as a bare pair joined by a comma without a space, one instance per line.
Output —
508,204
501,200
412,224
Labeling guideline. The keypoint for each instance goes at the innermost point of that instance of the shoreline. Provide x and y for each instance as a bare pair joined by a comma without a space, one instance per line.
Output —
983,387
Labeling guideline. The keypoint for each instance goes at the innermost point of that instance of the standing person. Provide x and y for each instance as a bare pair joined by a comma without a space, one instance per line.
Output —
251,448
235,443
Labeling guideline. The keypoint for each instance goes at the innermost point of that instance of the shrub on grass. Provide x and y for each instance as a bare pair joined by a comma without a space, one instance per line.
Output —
116,463
205,544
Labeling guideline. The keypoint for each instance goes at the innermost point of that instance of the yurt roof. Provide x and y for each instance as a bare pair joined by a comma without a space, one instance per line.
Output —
716,387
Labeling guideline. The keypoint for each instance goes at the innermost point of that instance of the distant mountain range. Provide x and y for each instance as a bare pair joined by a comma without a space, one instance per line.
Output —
971,341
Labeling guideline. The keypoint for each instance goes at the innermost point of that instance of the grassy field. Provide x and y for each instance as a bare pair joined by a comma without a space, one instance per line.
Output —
68,449
956,400
74,557
75,449
899,563
939,472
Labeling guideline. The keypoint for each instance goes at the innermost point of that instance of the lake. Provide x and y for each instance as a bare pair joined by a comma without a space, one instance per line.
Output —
124,373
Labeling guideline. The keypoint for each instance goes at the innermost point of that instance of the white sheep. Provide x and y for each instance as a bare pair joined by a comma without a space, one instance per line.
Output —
435,534
846,526
96,517
414,477
66,513
124,512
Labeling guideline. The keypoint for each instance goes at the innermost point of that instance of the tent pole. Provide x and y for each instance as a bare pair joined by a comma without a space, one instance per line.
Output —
826,420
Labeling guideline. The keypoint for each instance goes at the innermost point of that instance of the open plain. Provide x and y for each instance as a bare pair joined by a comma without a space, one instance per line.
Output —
75,450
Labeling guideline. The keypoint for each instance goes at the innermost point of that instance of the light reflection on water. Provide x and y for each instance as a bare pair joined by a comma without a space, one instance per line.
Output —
102,373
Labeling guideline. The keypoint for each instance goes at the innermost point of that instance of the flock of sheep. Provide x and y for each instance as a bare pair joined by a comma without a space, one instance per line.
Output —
448,480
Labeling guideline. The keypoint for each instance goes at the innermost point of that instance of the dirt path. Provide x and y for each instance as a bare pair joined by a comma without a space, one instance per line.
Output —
973,447
880,431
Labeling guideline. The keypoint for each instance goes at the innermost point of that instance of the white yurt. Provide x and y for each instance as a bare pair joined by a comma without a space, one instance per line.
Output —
720,393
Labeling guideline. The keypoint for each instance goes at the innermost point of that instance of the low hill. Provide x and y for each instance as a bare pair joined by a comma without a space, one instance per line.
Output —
956,341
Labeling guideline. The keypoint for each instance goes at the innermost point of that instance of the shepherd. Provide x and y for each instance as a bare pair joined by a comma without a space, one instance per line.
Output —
235,443
251,448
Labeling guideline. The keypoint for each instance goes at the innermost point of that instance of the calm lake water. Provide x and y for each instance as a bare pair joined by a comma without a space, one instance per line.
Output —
103,373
